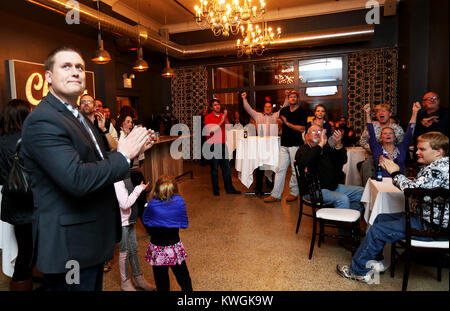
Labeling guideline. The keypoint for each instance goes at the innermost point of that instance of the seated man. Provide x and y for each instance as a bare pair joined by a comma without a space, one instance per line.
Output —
318,156
432,118
432,151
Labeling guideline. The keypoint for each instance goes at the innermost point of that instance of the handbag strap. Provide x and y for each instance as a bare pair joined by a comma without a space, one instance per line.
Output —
19,142
16,154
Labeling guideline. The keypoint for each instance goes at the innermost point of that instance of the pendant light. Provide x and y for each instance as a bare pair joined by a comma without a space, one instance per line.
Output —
167,72
140,65
101,56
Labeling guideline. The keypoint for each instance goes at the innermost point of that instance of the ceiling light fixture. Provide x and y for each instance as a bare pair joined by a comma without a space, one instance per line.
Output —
101,56
140,65
255,39
168,72
224,17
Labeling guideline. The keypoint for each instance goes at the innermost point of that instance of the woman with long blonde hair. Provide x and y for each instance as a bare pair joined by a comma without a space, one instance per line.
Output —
164,215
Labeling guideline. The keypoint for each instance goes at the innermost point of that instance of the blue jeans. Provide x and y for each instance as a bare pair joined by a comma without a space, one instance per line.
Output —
387,228
286,158
224,163
344,197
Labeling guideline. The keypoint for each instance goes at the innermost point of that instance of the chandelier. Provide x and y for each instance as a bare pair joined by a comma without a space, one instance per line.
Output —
225,16
255,39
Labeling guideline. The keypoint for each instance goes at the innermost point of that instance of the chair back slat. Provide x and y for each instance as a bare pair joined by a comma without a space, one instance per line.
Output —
309,183
431,206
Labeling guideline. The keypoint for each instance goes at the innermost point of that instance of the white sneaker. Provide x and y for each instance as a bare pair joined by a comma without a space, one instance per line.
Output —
344,271
377,266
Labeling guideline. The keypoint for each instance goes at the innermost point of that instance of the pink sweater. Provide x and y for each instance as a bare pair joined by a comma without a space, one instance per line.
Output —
126,200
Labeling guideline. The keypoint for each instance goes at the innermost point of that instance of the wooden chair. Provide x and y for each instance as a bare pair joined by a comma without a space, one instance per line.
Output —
326,215
419,202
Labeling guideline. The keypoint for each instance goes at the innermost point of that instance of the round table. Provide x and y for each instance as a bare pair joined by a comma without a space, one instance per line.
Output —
354,156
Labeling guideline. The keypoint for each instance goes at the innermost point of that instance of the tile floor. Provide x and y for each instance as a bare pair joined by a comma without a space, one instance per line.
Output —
239,243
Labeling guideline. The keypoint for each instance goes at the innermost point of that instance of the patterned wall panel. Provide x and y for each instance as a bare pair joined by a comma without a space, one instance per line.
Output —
189,93
372,78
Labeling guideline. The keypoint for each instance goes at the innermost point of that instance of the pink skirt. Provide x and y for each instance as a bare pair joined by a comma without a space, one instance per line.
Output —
165,255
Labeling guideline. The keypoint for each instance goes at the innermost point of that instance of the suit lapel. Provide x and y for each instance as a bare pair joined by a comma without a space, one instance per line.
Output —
55,103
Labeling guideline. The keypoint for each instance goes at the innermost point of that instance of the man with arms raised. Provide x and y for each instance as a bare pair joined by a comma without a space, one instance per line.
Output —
294,122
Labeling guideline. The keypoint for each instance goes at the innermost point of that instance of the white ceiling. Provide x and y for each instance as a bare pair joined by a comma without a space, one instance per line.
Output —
157,14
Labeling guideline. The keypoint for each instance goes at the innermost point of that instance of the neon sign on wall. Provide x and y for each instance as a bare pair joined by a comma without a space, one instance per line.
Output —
27,81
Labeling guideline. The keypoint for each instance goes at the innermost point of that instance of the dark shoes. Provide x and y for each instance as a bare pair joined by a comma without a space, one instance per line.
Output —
234,191
216,193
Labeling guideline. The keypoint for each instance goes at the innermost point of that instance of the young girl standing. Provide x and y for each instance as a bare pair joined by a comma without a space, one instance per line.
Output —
164,216
127,196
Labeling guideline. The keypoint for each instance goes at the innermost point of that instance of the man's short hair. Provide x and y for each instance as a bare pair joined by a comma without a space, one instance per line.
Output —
382,106
213,101
437,141
81,97
50,61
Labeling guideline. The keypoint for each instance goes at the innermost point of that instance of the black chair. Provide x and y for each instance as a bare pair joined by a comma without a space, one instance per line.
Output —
303,200
327,215
430,206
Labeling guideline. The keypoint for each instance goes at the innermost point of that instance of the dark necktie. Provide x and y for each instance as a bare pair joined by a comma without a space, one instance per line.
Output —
88,129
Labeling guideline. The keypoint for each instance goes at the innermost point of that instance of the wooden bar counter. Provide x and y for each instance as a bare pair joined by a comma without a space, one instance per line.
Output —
159,162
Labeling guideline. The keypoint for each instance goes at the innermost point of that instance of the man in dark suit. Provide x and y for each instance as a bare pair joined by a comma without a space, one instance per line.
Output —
76,219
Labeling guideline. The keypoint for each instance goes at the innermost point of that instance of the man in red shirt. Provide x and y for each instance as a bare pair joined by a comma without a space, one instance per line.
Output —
215,127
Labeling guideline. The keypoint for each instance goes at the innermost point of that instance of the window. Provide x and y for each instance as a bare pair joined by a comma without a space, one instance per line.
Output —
232,104
320,80
280,73
320,70
276,98
332,102
231,77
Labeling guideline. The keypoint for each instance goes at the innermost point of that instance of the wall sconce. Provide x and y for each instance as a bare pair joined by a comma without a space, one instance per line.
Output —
127,80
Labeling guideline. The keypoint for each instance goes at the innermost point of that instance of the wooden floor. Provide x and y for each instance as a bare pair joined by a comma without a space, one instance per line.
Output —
237,242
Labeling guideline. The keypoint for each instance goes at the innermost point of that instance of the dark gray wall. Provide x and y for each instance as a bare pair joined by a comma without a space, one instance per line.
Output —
423,57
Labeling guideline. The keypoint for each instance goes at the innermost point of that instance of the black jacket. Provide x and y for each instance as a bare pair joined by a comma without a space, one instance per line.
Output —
326,161
16,210
76,212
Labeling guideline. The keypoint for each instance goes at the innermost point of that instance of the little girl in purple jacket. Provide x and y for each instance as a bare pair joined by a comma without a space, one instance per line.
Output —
164,216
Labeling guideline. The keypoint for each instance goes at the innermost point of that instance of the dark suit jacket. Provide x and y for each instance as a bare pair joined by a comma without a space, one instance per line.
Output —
326,161
76,212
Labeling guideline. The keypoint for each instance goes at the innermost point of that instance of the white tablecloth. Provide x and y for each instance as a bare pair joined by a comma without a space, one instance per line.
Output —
354,155
254,152
231,139
381,198
8,244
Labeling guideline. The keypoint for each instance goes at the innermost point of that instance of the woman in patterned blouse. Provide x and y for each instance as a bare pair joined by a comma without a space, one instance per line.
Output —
386,146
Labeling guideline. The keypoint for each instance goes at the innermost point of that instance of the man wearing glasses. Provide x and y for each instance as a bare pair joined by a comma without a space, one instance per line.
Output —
432,118
319,157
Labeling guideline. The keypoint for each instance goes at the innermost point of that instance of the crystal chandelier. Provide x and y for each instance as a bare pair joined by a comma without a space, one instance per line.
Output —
255,39
225,16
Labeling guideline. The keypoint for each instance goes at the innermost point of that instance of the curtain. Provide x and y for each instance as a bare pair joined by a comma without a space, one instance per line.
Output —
189,93
372,78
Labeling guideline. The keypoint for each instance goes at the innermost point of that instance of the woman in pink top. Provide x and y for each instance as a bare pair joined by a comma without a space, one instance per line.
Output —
127,196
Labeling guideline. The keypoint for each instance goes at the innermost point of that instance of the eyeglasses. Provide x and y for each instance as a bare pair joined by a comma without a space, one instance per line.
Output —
433,98
316,132
86,101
